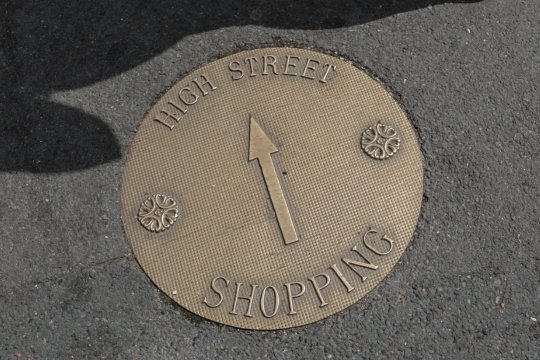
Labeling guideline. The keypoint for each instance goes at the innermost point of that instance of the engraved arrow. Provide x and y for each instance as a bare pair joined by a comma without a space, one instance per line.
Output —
262,148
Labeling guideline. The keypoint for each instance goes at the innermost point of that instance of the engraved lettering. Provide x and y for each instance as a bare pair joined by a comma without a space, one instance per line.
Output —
263,302
292,65
267,63
328,68
367,265
201,85
188,97
251,61
385,238
342,277
236,70
318,287
194,97
216,290
177,106
167,120
270,299
238,297
291,296
311,68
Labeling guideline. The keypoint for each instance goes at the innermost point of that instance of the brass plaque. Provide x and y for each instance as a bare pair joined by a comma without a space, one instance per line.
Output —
272,188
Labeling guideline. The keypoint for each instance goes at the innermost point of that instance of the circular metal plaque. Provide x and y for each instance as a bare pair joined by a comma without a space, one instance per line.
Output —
272,188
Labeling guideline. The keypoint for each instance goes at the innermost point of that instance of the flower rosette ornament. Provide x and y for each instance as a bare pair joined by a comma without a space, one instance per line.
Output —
158,213
380,141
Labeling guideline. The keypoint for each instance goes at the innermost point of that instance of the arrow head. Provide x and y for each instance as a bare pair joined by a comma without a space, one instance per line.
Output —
259,143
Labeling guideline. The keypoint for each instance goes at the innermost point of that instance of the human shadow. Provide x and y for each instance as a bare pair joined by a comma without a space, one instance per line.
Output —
55,45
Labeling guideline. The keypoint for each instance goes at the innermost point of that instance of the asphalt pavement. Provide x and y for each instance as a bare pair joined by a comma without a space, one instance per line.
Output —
76,78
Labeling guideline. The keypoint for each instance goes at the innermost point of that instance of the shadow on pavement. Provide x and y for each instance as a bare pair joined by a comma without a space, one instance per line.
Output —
48,46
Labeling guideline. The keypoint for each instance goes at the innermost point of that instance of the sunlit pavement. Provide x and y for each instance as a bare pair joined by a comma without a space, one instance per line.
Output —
76,80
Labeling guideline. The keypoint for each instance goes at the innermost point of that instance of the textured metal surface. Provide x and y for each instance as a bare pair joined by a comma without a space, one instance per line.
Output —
349,215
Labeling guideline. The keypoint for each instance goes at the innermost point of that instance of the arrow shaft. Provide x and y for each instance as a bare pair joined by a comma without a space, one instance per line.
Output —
278,199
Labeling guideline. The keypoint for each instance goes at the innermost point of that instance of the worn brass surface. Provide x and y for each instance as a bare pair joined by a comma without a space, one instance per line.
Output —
272,188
